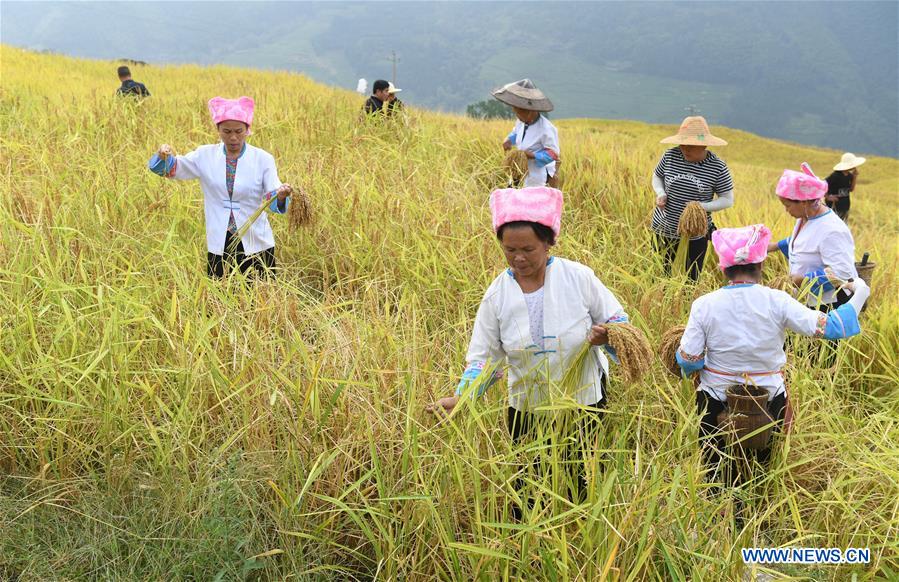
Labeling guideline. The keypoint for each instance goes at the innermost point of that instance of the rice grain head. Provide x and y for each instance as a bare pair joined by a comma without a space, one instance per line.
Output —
515,166
693,221
300,211
668,347
632,348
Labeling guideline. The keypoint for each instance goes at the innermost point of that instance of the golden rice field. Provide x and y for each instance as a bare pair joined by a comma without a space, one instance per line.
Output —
156,425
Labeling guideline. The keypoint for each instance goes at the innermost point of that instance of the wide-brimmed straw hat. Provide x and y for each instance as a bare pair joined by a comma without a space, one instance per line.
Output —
694,131
524,95
849,161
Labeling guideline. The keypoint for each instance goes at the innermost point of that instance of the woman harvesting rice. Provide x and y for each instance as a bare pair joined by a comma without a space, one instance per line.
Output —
533,134
819,240
841,183
735,335
538,313
231,196
686,174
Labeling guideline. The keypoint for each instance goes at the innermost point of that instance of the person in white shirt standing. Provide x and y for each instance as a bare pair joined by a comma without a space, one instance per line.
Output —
236,178
533,133
735,335
537,315
820,240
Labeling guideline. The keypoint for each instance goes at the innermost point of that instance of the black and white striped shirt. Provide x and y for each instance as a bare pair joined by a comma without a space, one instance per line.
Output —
685,182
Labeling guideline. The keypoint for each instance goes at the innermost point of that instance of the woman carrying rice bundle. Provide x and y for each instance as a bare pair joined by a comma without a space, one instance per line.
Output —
537,316
236,178
735,336
820,240
533,134
689,173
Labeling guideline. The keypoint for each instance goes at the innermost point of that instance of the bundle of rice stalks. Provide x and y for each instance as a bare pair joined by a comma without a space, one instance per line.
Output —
555,181
782,282
693,221
515,166
633,349
669,346
571,379
249,223
300,211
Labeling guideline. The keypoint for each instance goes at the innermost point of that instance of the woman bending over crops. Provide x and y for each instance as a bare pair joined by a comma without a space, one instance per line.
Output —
533,134
735,336
819,240
688,178
538,316
236,178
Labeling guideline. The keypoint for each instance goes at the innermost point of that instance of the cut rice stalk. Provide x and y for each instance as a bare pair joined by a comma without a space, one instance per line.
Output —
515,166
632,348
693,221
668,348
300,211
249,223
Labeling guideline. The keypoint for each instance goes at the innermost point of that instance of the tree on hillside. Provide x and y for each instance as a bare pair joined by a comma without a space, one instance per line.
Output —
489,109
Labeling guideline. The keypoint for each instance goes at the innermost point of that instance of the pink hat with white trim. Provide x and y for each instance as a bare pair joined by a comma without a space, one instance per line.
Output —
542,205
741,246
231,110
804,185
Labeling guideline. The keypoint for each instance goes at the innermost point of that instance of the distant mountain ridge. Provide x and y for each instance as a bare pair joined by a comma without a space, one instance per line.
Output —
815,73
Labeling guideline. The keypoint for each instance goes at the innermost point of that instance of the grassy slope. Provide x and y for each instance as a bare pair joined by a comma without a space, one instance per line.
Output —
157,425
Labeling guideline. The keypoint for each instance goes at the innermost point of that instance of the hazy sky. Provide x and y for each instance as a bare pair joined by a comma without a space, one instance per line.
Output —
822,73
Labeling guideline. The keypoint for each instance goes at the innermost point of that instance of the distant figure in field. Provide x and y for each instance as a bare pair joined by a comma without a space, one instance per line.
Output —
393,104
129,85
689,173
533,133
236,178
841,183
379,95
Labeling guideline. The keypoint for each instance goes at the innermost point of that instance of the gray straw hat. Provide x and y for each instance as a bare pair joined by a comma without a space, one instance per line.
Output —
524,95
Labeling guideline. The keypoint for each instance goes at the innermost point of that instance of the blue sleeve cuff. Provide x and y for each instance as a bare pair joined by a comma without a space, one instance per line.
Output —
613,355
689,366
820,282
545,157
842,322
512,138
471,374
278,206
162,167
783,246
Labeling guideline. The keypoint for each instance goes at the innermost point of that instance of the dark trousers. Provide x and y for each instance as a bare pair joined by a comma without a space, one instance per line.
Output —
575,437
724,467
261,264
695,254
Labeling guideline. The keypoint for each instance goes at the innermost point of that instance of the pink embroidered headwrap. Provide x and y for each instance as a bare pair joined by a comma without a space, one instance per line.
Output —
542,205
741,246
231,110
804,185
